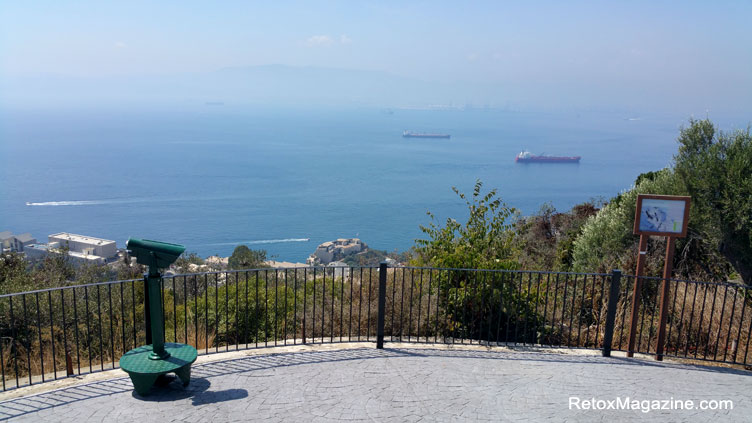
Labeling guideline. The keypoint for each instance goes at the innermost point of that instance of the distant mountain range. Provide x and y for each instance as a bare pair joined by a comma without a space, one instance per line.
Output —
269,84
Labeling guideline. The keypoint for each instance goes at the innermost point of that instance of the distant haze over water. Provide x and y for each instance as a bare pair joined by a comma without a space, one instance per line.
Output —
285,180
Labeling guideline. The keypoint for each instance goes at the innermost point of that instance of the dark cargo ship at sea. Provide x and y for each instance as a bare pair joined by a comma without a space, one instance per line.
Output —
410,134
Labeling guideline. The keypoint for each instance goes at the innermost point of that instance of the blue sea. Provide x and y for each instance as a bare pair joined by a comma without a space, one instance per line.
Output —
285,180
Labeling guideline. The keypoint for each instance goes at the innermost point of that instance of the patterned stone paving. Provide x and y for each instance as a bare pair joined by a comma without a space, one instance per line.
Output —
400,384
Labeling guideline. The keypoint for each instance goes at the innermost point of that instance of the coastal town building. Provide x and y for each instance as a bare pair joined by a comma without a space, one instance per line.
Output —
81,248
336,250
15,243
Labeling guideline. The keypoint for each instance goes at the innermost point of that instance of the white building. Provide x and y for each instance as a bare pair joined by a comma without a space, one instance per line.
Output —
81,248
15,243
336,250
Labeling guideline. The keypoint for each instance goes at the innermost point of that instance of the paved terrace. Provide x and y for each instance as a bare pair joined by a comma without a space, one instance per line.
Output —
356,382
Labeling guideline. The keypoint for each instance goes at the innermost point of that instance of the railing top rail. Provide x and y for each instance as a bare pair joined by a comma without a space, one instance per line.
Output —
267,269
59,288
727,283
544,272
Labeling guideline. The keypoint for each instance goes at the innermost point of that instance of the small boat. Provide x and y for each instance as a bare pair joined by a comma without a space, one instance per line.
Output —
410,134
527,157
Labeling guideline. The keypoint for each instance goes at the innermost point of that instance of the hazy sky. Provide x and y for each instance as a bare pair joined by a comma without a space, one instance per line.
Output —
698,51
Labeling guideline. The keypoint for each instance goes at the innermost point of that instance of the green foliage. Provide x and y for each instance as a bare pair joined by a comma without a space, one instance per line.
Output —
716,168
485,241
546,239
606,241
245,258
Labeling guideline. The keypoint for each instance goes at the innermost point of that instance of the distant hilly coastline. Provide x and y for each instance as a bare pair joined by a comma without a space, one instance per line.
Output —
266,84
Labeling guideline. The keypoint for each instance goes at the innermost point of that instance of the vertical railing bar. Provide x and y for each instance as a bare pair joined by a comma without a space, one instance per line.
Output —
470,326
52,338
516,311
360,302
579,315
420,302
112,329
245,323
341,303
174,312
133,307
88,328
731,323
13,346
501,309
623,315
39,332
284,330
402,304
537,306
313,334
195,308
564,306
642,321
206,313
65,332
258,310
556,293
122,316
681,319
216,312
28,349
331,319
266,308
323,305
295,307
571,312
603,294
99,312
488,292
656,304
349,327
527,307
749,336
672,310
410,308
370,288
691,319
720,323
699,318
237,312
593,313
164,307
75,323
428,311
741,322
185,307
710,324
2,361
394,302
227,310
305,298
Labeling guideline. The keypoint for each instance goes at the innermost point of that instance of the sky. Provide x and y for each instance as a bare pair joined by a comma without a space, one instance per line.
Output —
695,54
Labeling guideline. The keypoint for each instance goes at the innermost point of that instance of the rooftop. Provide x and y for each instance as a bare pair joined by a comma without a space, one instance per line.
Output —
82,238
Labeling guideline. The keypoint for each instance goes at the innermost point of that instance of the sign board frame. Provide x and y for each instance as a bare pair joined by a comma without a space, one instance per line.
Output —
672,198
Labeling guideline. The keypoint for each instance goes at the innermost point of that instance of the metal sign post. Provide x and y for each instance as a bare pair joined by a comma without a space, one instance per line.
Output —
657,215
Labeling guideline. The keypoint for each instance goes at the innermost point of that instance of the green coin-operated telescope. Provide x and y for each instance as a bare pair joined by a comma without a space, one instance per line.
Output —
146,363
157,255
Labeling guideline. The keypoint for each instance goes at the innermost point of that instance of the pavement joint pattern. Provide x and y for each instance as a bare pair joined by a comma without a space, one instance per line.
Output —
400,384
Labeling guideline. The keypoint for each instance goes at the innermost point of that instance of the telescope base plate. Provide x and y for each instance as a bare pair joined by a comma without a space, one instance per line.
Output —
144,371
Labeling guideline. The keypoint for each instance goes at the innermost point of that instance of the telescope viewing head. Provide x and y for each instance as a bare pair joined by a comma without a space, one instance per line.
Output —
155,254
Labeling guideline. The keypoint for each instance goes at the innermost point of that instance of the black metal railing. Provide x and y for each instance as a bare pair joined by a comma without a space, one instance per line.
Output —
55,333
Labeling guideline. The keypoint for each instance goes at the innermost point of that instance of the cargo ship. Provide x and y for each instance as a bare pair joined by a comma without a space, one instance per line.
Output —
410,134
526,157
